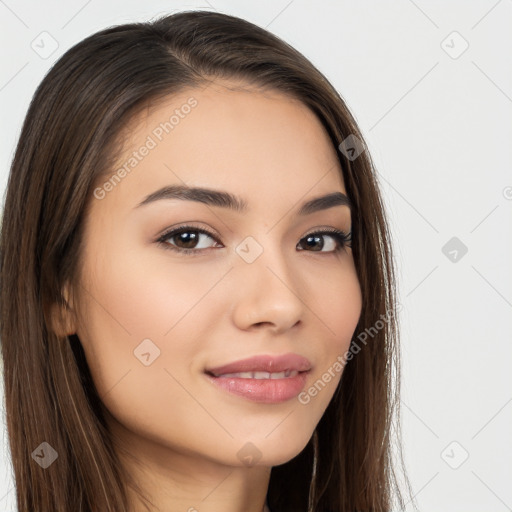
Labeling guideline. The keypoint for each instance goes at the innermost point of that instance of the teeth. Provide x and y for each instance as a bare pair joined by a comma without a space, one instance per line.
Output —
260,375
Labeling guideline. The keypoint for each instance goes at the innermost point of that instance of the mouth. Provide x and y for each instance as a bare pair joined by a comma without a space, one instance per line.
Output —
264,379
261,364
258,375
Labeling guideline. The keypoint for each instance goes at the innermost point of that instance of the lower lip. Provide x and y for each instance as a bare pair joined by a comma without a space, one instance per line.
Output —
268,391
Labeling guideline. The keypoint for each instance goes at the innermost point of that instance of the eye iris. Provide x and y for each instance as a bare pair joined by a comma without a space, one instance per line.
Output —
312,240
188,238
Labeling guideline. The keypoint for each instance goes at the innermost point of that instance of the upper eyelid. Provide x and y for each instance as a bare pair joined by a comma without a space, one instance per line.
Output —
167,233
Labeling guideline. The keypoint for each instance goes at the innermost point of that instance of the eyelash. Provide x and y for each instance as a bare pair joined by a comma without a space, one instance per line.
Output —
342,238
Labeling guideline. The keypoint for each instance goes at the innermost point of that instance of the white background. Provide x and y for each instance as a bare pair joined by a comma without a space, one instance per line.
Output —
439,129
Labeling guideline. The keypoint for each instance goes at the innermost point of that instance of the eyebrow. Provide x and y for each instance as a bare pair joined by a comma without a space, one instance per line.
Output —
225,199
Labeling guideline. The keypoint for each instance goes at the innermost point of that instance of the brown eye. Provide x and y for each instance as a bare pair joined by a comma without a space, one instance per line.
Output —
315,242
192,240
187,239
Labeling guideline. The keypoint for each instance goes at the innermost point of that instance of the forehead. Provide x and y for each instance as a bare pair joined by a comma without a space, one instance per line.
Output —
231,136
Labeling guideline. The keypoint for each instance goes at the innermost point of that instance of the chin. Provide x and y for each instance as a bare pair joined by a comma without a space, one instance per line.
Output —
274,450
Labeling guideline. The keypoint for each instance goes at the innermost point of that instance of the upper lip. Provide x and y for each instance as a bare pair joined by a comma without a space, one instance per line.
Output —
264,363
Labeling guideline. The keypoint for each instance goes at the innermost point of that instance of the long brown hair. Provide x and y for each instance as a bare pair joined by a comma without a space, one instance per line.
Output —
69,138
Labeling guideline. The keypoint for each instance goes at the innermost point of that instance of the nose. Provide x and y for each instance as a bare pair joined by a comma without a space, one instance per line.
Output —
267,294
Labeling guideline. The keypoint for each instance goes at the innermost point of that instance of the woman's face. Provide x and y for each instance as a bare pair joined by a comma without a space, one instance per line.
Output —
155,319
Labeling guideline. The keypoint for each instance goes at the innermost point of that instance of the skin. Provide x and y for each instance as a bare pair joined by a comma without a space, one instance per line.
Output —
214,308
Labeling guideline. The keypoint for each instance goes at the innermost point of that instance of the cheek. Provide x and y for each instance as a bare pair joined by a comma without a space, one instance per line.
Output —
345,306
149,293
144,307
338,310
143,324
337,305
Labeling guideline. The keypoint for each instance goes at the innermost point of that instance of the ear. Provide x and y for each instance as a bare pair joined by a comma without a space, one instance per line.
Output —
63,315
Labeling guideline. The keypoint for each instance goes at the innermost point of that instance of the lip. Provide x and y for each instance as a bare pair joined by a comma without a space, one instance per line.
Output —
266,390
264,363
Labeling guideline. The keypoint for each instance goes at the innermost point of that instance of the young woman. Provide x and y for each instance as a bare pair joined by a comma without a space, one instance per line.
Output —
198,304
